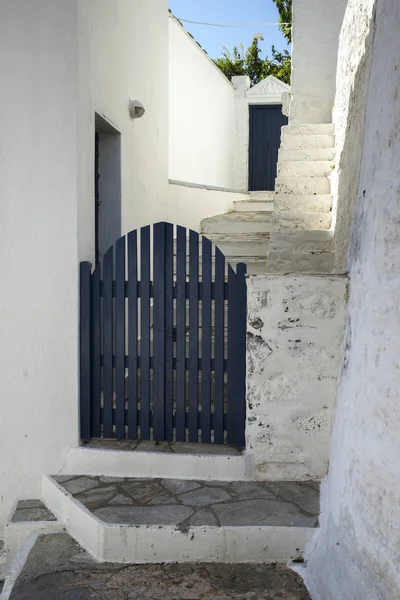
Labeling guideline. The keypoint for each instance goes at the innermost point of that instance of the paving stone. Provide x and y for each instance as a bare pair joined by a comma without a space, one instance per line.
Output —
299,493
121,500
148,446
246,490
192,448
261,512
52,573
37,513
204,516
204,496
63,478
144,515
30,504
97,497
80,484
104,479
150,492
179,486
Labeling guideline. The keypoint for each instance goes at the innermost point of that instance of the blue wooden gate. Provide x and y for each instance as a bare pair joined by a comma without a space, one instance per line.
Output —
162,348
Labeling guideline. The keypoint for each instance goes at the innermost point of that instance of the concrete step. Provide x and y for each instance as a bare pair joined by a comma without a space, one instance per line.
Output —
309,129
245,244
237,222
261,195
253,205
305,168
303,186
314,154
309,142
126,520
309,203
301,220
296,262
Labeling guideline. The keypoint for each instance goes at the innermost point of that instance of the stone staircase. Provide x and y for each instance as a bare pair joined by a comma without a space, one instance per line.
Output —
301,239
243,234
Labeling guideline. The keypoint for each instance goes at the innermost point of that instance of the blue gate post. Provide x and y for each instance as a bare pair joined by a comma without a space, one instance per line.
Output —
85,349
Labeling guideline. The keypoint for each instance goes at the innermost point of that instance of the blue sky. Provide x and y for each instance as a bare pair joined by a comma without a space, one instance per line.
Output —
230,12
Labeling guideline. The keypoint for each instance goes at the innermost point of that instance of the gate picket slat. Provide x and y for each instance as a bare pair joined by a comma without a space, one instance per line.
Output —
145,333
169,331
96,352
120,338
108,342
219,347
132,336
181,334
193,336
159,332
206,341
85,349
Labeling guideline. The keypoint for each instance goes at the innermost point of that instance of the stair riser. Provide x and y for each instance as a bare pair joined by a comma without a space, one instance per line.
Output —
244,248
281,262
312,203
300,221
307,142
305,169
237,227
309,154
316,185
308,129
302,242
257,206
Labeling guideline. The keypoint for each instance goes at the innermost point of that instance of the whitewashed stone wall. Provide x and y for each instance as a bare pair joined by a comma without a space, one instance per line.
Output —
356,554
316,27
241,152
354,58
294,351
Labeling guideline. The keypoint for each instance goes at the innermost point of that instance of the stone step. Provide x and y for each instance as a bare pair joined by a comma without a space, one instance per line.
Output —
308,203
304,168
303,186
253,205
261,195
27,517
309,129
237,223
301,220
126,520
245,244
306,242
295,262
309,142
314,154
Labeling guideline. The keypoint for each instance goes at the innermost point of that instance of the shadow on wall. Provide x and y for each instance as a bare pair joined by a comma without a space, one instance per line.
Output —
347,173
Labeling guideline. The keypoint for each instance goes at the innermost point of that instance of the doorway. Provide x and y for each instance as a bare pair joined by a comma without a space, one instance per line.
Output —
107,186
266,122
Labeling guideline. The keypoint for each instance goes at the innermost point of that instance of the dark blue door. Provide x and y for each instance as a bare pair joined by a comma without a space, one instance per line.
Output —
266,122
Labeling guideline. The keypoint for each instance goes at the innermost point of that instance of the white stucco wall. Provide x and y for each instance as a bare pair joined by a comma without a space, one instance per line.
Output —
38,243
316,27
354,58
189,204
294,351
201,114
123,54
356,553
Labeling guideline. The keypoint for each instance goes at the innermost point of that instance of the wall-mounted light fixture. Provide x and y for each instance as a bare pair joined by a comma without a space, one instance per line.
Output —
136,109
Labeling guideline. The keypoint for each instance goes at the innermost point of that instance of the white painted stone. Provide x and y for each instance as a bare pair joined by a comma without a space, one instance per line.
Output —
300,220
304,241
309,185
308,129
237,223
294,351
356,554
310,203
247,244
311,263
201,114
312,142
253,205
304,168
315,33
305,153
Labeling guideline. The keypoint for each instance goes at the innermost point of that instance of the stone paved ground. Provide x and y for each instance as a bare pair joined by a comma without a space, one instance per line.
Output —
58,569
184,503
31,510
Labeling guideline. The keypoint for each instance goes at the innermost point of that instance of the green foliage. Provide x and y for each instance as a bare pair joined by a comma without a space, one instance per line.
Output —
285,16
249,62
